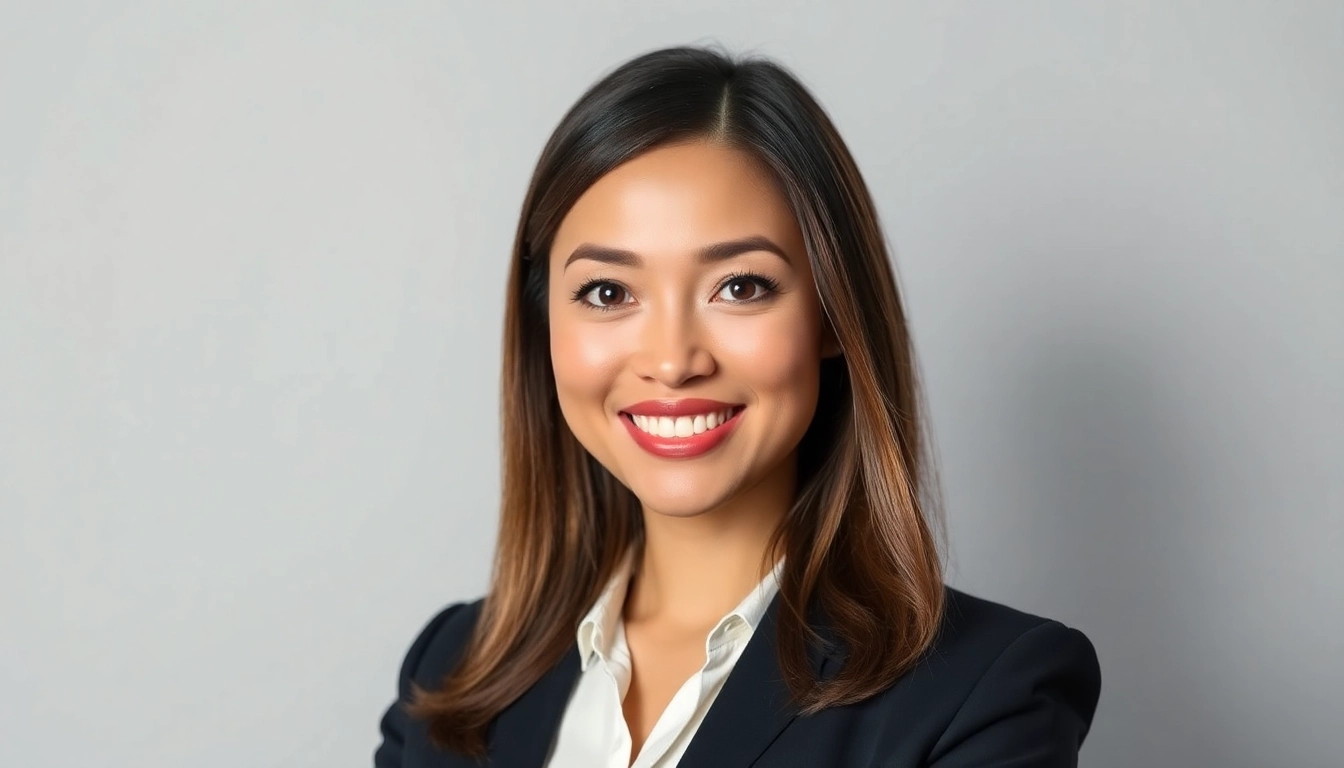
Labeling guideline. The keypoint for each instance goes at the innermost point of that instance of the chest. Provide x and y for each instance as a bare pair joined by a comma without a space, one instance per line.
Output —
661,661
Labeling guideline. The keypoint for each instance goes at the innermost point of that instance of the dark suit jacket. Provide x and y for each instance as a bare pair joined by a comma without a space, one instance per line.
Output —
998,688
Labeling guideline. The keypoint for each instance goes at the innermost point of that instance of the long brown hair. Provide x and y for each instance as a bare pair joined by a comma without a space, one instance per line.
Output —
860,538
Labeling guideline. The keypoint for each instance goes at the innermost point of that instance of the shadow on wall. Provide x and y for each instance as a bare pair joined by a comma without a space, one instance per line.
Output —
1109,471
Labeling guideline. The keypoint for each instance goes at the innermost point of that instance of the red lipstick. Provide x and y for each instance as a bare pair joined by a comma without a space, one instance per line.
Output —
680,447
687,407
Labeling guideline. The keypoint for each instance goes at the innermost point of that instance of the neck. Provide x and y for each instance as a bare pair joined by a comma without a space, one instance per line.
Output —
695,569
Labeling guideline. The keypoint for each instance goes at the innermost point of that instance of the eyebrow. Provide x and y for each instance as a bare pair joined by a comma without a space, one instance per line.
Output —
707,255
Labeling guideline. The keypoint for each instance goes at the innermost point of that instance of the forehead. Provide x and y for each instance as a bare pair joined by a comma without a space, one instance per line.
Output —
673,200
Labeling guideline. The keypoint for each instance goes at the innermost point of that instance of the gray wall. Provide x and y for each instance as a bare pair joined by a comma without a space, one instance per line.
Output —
251,269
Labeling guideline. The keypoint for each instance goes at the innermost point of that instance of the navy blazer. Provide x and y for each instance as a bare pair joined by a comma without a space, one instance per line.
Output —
997,688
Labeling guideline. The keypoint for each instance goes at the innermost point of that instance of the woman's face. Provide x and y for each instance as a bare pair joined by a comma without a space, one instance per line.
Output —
686,333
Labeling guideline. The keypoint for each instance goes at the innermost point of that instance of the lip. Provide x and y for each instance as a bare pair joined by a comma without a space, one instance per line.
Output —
689,406
680,447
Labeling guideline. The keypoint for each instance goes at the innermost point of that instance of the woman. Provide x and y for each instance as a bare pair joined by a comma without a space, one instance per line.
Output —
716,545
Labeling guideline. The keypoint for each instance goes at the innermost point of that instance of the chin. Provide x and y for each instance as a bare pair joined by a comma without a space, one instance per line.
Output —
676,501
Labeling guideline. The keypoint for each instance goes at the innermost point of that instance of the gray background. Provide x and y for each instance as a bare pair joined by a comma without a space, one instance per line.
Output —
251,267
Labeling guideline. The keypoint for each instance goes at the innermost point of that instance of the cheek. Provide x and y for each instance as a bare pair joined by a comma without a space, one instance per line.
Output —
777,356
584,360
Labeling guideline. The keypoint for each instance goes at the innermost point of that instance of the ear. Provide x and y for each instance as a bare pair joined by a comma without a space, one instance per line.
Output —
830,344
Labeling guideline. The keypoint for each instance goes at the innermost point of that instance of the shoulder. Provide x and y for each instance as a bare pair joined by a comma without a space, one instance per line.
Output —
439,645
434,652
979,635
995,664
976,627
997,686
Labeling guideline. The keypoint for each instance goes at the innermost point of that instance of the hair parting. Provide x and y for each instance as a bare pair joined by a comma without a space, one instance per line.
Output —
862,539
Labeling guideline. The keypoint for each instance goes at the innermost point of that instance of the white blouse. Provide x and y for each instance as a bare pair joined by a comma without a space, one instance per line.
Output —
593,733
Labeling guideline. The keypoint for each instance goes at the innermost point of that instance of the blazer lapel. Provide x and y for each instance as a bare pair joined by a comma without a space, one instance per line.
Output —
754,704
521,736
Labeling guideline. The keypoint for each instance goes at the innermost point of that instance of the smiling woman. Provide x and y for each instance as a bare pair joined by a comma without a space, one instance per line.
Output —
717,542
713,317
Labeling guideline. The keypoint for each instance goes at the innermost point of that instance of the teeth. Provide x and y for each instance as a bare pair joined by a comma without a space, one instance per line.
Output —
681,426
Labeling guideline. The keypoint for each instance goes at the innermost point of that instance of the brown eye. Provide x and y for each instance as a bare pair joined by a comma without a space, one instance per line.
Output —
607,295
741,289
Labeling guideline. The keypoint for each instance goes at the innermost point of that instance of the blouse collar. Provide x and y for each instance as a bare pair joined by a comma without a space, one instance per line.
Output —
599,626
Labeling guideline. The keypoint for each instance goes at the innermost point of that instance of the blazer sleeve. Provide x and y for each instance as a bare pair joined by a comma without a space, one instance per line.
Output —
395,720
1031,708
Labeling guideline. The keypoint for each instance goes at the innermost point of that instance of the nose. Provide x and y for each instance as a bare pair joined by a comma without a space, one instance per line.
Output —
672,349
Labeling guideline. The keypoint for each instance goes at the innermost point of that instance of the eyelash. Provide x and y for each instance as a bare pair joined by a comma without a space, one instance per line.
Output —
587,288
769,284
769,287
